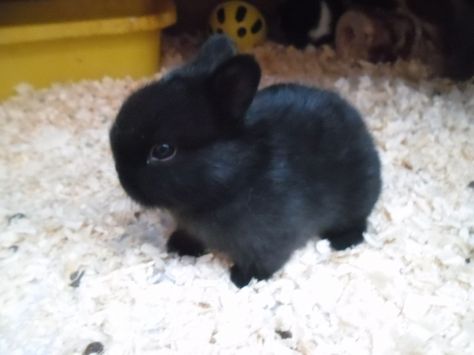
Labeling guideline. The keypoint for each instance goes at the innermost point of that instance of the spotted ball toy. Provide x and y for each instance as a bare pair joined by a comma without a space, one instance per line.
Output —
241,21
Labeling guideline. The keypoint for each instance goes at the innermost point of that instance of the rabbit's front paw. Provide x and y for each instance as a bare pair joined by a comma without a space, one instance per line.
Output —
183,244
239,276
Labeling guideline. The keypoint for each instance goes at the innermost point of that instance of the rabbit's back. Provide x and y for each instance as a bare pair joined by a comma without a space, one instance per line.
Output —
321,171
321,151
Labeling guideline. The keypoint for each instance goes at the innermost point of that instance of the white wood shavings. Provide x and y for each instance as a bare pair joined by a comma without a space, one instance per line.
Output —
81,264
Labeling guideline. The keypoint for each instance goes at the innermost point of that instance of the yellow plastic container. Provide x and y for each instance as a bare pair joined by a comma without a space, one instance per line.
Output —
45,41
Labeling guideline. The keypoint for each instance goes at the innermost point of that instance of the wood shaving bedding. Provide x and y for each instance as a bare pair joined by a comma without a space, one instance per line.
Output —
84,270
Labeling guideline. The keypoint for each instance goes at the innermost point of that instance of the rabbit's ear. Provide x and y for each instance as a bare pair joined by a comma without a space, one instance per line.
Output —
233,86
216,50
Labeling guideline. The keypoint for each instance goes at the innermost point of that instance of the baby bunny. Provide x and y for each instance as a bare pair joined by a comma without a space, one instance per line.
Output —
252,174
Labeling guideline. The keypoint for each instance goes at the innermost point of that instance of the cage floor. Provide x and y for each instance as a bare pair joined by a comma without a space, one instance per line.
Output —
80,263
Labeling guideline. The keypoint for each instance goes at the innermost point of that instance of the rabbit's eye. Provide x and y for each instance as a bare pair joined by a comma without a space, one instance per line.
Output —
161,152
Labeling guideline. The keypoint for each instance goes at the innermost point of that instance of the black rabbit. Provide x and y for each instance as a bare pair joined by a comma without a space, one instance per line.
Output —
252,174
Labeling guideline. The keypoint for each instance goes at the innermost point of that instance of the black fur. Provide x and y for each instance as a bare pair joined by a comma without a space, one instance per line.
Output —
298,18
181,243
255,174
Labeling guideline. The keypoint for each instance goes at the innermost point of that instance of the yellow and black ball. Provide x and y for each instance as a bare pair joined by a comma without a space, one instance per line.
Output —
241,21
